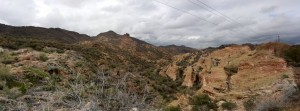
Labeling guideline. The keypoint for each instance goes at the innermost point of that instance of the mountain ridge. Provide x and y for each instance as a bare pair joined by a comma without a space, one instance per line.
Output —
63,35
119,72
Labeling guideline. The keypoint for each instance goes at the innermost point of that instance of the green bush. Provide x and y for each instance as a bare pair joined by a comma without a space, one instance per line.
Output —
284,76
79,64
292,55
7,58
23,88
43,57
228,105
231,69
200,69
10,79
172,108
249,104
202,102
60,51
34,75
4,74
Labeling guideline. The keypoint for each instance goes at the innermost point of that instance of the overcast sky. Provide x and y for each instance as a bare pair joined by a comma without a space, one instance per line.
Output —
240,21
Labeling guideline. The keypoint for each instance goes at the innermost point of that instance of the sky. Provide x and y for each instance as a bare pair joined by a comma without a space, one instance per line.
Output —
193,23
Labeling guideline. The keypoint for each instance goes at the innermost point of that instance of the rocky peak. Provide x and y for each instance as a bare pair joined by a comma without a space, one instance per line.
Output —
109,33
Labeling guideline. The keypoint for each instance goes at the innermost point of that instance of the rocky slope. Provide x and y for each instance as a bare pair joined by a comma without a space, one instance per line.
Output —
259,72
55,34
55,80
39,71
179,49
41,67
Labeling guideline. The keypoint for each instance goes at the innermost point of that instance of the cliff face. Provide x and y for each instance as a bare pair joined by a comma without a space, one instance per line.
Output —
254,63
257,70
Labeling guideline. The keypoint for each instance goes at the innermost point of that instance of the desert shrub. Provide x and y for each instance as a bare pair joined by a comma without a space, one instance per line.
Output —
79,64
166,87
231,69
284,76
228,105
172,108
202,102
48,50
52,50
43,57
180,72
7,58
23,88
2,107
10,79
200,69
249,104
35,75
292,55
278,48
60,51
12,93
4,74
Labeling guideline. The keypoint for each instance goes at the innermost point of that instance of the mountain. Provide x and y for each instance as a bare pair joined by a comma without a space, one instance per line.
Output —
179,49
56,34
129,45
235,73
63,70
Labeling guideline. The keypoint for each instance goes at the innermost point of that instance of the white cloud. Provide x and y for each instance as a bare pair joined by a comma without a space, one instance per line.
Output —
162,25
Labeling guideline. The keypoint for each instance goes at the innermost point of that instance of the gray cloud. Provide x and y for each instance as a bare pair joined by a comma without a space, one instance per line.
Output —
162,25
268,9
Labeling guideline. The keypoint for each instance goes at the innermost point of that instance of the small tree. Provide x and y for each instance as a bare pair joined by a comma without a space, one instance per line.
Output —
202,102
229,105
230,70
43,57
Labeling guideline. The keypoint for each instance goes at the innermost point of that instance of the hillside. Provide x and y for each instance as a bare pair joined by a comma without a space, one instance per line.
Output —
255,73
56,69
179,49
55,34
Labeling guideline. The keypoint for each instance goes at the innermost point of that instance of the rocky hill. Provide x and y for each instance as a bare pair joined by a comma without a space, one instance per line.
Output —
235,74
55,34
56,69
179,49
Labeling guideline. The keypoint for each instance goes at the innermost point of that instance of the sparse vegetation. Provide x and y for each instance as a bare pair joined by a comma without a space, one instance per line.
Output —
284,76
43,57
228,105
202,102
172,108
7,58
9,79
292,55
102,76
249,104
34,75
230,70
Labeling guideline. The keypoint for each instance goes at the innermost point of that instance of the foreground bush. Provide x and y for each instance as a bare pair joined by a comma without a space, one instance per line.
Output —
228,105
202,102
172,108
249,104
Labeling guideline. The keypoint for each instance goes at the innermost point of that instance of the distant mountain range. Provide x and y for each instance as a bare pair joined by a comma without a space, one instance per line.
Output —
62,35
